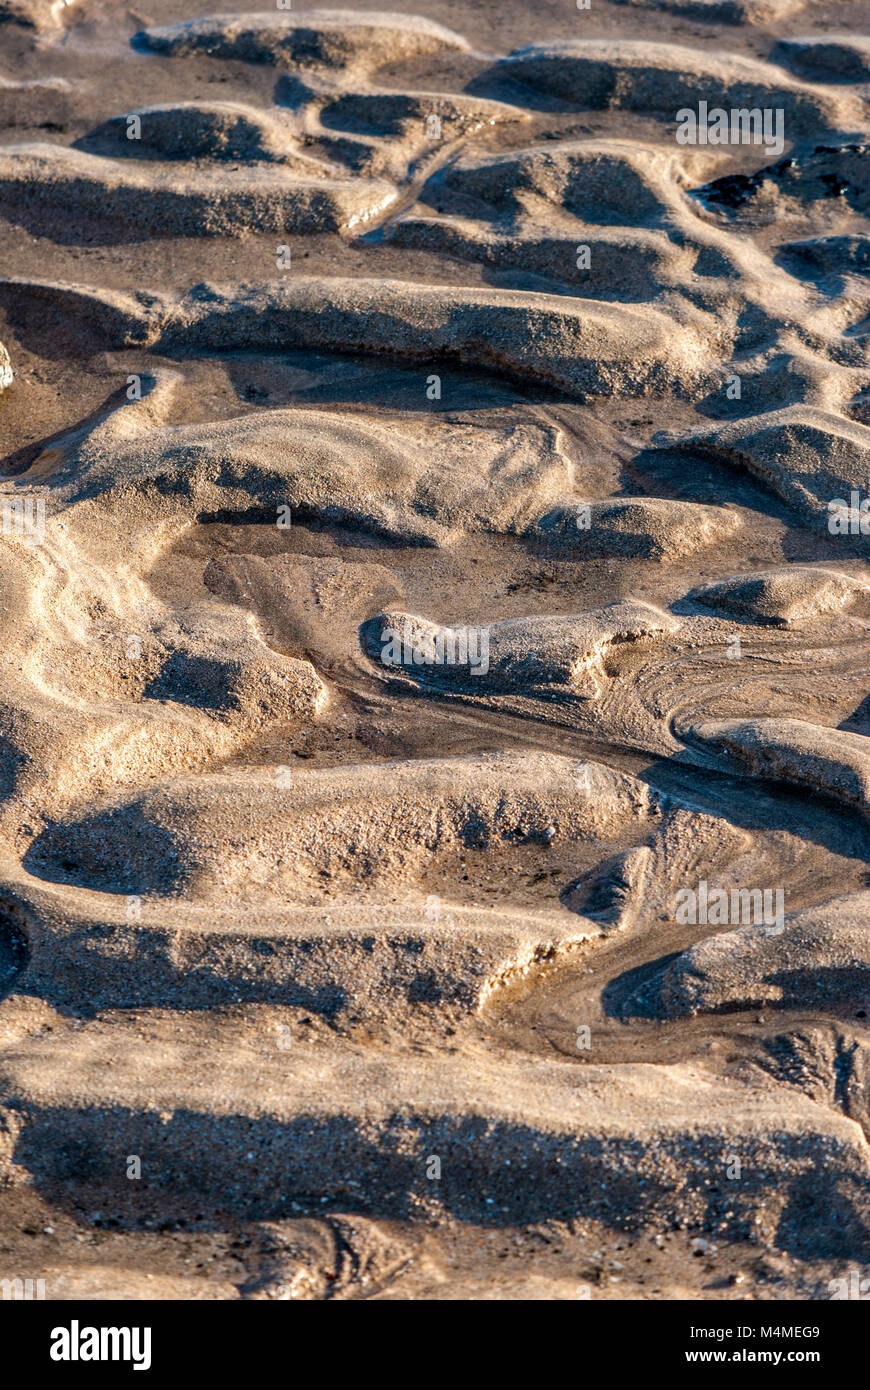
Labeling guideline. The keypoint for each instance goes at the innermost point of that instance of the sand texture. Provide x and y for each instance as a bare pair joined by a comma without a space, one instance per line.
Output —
435,651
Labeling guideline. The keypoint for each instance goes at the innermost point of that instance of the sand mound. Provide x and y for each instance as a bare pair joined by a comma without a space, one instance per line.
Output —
725,11
105,681
341,959
821,953
834,58
603,181
533,655
631,263
183,201
362,952
518,1139
582,346
810,458
790,750
206,658
400,478
348,824
234,678
188,130
586,348
111,318
365,39
399,114
795,594
639,527
106,684
635,75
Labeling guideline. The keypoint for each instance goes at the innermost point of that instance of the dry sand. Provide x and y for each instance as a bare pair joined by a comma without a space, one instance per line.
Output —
435,570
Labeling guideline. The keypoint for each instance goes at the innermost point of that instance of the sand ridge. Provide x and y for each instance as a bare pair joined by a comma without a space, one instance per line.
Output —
432,553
